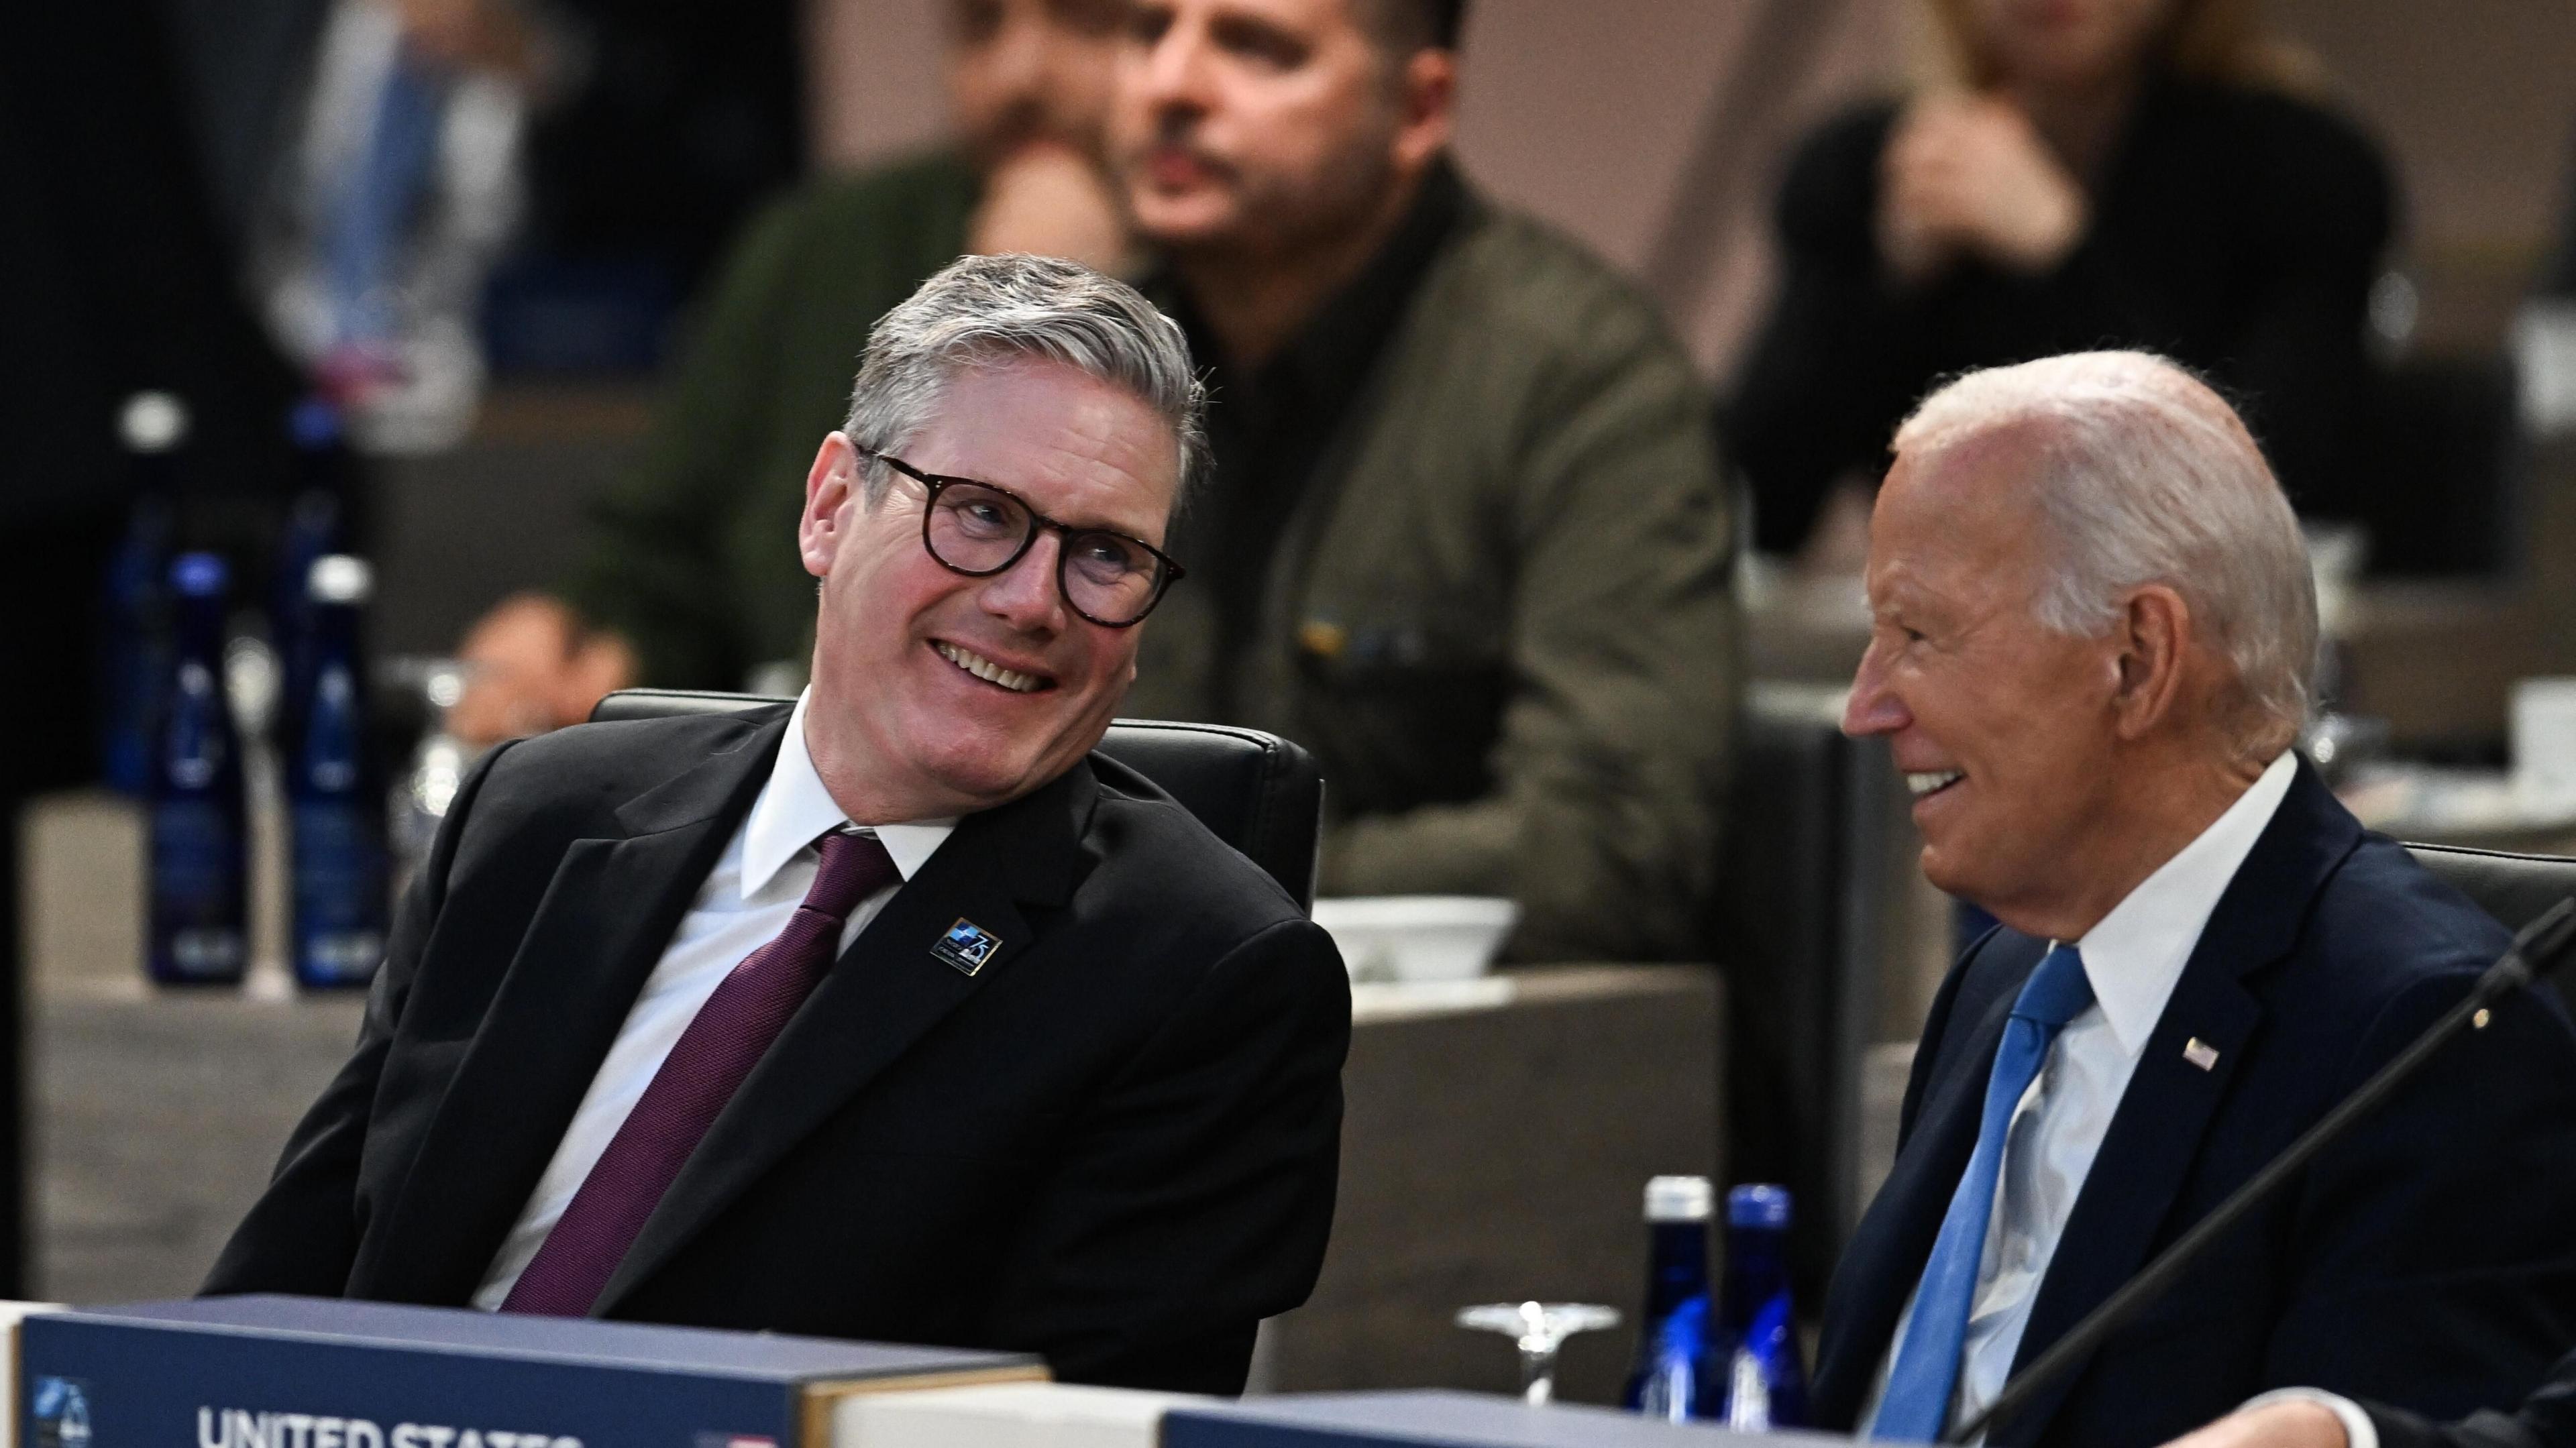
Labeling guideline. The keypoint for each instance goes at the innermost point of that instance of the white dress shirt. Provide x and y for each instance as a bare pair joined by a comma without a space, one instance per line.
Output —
2132,958
747,900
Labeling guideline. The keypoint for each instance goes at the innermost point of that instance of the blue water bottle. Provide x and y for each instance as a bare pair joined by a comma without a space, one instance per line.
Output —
134,653
336,799
1764,1378
1671,1377
316,524
197,855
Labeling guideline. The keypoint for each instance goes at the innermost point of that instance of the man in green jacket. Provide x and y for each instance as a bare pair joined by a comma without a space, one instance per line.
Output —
690,577
1465,538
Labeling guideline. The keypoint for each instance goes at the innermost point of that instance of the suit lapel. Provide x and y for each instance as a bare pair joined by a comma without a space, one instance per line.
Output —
1895,1237
2156,1134
596,935
884,993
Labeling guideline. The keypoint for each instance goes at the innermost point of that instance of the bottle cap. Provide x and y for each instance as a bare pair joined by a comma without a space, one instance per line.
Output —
1758,1204
199,575
153,422
313,424
339,578
1678,1199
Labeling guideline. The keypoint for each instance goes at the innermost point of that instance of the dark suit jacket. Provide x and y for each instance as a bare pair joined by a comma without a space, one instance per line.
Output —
2547,1420
1115,1145
2426,1261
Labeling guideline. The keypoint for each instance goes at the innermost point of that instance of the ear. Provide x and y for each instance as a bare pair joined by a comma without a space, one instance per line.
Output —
2155,638
1426,108
831,502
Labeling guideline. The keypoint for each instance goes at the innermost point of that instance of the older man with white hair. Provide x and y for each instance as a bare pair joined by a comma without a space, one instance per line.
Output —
2093,633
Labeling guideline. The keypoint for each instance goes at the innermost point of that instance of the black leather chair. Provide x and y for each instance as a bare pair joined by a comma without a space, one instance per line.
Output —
1816,854
1257,792
2513,888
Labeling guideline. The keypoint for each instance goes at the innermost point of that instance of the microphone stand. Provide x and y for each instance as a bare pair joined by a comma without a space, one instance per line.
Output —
2534,952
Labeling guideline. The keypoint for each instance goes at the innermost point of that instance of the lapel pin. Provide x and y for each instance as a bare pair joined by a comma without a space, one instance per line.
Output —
2200,1053
966,946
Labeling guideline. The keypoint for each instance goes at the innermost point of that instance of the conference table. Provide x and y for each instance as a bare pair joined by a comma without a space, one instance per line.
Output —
1499,1135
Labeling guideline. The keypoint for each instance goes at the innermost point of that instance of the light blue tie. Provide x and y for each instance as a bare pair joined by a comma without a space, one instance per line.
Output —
1926,1372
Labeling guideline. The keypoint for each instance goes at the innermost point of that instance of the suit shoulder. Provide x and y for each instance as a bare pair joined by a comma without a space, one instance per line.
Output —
575,779
2387,947
1163,860
2383,923
2307,170
1513,286
2280,125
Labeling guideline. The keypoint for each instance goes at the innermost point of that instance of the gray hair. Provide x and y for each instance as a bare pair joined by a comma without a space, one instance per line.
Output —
990,311
2145,475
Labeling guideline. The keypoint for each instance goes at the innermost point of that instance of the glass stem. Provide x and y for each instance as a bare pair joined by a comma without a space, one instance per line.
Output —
1538,1373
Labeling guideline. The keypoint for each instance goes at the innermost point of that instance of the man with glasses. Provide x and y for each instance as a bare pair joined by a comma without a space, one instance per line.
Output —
894,1014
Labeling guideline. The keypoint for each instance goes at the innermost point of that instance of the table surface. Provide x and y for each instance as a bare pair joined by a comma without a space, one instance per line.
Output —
1497,1130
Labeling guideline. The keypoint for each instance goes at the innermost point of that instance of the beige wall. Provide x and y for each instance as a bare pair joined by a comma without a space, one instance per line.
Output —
1592,113
2476,101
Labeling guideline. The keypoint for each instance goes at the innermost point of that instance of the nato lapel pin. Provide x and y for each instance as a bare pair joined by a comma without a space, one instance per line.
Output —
966,946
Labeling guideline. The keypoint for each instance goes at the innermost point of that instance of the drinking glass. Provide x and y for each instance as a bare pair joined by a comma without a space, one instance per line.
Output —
1540,1329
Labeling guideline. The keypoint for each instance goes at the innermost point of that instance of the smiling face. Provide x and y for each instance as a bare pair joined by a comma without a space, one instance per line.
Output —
1257,125
936,693
2005,730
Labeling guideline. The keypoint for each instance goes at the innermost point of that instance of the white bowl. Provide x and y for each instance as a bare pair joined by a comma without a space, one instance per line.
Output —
1417,937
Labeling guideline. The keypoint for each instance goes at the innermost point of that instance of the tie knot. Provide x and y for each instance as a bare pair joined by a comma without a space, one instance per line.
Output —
854,866
2057,992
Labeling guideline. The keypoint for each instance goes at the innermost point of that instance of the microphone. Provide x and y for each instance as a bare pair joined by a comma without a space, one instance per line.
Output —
2534,953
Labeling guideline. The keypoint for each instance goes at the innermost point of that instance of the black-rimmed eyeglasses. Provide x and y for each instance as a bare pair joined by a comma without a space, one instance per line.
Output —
979,530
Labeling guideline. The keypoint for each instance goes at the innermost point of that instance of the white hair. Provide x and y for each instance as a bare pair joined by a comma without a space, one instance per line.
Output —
991,311
2145,475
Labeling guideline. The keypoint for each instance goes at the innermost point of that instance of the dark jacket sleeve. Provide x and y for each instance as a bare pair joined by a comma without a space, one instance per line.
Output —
301,1236
2302,371
1841,354
2546,1420
1196,1198
2432,1263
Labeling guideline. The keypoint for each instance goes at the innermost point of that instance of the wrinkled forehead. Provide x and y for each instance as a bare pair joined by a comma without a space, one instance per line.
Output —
1960,513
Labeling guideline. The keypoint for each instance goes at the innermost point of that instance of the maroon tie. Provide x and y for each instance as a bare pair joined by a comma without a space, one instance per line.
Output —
720,1046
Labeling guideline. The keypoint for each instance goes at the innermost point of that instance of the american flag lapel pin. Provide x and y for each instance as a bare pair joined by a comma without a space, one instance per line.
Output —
2200,1053
966,947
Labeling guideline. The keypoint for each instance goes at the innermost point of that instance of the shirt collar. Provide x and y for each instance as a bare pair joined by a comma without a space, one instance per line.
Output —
794,807
2135,955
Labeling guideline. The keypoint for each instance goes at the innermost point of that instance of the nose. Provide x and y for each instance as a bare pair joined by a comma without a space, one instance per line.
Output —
1873,707
1169,78
1025,595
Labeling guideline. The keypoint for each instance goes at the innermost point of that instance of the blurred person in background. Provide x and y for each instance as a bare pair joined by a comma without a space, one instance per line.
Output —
2106,173
1465,540
685,583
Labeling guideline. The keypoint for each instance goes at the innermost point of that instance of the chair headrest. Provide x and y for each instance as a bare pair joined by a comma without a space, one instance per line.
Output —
1255,791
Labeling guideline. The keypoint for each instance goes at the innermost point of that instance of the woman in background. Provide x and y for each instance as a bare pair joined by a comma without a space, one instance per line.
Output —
2104,173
